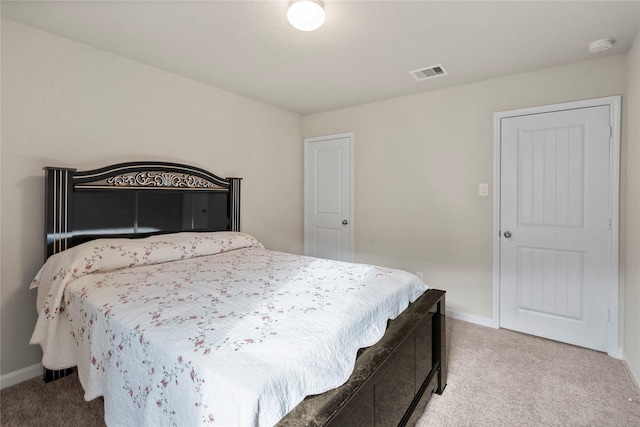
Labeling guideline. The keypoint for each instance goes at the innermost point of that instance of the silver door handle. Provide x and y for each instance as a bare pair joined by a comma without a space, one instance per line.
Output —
507,234
345,222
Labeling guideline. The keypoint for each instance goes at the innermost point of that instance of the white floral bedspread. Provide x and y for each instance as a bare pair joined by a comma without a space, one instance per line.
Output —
195,329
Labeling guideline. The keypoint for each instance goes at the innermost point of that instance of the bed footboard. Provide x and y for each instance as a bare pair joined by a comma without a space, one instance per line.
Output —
391,377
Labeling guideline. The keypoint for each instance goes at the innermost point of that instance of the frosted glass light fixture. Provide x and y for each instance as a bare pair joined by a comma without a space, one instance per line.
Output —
306,15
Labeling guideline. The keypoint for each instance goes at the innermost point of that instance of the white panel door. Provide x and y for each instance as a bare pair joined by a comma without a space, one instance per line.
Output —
328,184
555,248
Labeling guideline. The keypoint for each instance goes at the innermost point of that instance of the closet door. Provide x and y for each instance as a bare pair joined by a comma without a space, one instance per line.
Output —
556,241
328,218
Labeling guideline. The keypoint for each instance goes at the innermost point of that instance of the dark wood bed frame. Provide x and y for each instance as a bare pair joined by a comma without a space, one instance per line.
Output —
141,199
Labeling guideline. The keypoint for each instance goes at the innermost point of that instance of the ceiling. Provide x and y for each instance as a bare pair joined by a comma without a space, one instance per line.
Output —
363,53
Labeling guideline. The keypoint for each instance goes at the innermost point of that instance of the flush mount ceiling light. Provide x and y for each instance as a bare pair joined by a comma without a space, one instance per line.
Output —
601,45
306,15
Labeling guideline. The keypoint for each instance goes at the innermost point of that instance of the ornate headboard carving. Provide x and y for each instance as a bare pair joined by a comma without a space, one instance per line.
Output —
136,199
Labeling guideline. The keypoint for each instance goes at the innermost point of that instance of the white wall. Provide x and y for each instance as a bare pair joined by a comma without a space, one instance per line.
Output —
419,160
631,180
67,104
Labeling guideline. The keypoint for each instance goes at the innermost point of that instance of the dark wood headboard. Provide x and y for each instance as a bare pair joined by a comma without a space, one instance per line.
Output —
136,199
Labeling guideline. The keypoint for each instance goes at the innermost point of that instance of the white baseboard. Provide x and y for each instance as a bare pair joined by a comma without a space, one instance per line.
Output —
471,318
24,374
634,379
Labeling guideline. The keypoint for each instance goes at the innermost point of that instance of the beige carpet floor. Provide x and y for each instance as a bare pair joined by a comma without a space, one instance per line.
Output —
499,377
496,378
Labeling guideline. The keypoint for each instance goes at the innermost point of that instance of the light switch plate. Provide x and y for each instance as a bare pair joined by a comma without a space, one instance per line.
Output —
483,189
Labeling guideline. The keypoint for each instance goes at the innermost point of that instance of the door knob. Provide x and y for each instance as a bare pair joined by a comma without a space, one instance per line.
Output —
507,234
345,222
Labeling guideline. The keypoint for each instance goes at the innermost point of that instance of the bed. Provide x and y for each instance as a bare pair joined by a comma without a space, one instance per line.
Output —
124,245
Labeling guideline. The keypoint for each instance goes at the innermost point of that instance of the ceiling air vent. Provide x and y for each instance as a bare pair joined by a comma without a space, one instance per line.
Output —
429,72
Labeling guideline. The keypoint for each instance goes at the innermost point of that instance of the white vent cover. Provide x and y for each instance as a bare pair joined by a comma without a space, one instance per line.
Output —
429,72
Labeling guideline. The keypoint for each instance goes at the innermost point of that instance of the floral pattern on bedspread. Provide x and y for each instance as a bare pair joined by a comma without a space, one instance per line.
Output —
107,255
236,338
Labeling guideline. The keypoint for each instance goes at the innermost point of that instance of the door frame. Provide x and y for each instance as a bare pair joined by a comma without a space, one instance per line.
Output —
350,136
614,103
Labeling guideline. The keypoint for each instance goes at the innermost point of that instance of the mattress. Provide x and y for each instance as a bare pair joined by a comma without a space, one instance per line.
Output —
209,328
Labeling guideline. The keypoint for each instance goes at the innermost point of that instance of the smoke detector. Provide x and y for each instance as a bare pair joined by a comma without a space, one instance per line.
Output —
601,45
429,72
